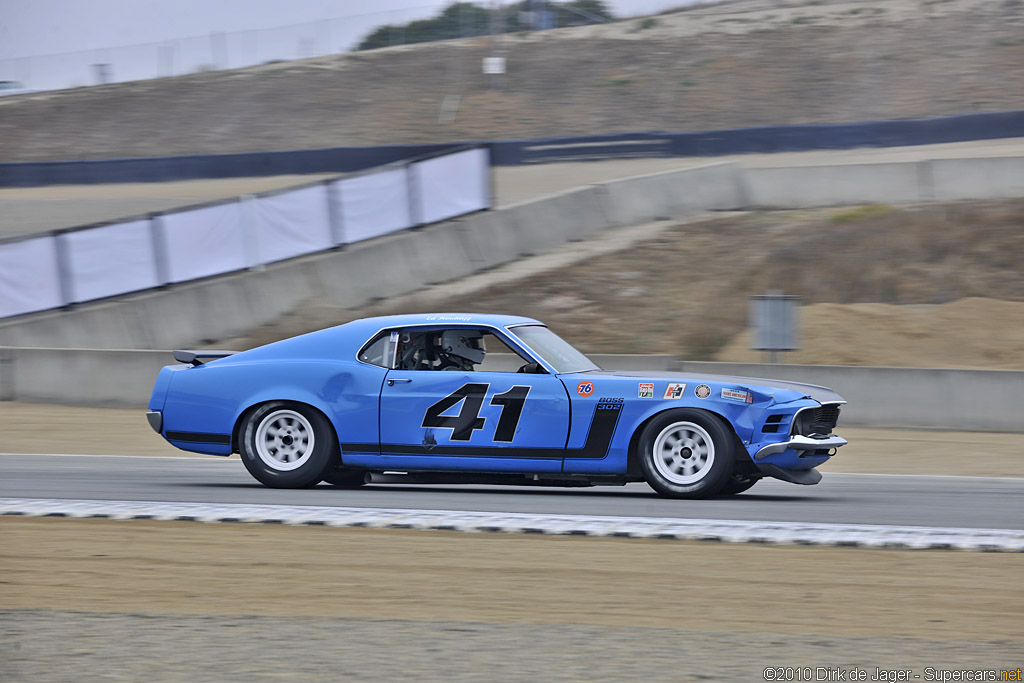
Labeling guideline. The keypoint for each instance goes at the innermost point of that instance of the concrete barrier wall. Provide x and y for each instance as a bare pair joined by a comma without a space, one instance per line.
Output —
991,178
673,194
972,400
892,183
93,377
979,400
807,186
229,306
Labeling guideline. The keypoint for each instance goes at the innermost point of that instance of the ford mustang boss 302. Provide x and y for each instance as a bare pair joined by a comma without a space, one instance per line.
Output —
496,399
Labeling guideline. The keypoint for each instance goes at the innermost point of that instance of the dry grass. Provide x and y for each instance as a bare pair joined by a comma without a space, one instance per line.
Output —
927,255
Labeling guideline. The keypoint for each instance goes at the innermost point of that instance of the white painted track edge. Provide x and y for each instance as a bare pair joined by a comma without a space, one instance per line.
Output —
725,531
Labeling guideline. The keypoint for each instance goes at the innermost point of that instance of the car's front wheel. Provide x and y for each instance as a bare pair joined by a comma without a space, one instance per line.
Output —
738,483
287,445
686,453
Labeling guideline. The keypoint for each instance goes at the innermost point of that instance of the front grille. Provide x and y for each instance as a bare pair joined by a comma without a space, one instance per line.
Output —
817,420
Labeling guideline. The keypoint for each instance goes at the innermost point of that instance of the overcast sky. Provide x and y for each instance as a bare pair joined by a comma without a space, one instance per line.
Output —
44,27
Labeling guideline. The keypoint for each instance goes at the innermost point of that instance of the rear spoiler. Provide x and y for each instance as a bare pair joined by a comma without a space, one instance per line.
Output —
199,357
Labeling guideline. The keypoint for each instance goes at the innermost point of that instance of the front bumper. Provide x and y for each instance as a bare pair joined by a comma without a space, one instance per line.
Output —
801,443
804,477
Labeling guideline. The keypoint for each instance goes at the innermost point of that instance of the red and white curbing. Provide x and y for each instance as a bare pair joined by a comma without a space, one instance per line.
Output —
726,531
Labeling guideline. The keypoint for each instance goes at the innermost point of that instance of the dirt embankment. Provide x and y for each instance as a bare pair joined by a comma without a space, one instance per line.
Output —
745,63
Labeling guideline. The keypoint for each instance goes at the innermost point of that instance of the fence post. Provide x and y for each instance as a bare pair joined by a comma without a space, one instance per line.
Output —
334,213
250,234
64,278
158,237
413,191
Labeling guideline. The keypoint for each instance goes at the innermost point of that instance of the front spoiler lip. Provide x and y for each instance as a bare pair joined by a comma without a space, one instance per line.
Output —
801,443
156,420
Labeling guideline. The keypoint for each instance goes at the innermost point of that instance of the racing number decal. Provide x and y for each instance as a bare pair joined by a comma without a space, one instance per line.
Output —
511,403
468,420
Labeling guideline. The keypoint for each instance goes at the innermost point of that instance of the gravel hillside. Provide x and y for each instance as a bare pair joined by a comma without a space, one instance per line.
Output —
750,62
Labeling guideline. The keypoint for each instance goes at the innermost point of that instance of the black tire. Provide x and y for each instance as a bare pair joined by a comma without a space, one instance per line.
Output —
287,445
738,483
686,453
344,478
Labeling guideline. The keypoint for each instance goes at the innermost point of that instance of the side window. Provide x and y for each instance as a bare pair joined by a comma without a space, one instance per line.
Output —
381,350
500,357
455,349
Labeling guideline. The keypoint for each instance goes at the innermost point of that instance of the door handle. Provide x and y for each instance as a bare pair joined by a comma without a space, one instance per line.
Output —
398,380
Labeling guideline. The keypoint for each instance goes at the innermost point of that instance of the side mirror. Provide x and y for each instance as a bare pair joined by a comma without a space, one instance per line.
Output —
533,369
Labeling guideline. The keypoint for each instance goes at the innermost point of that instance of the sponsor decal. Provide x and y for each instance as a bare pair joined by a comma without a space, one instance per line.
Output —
455,318
734,395
675,390
585,388
645,390
702,391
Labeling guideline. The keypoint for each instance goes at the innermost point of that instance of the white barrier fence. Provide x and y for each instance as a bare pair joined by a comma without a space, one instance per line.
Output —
83,264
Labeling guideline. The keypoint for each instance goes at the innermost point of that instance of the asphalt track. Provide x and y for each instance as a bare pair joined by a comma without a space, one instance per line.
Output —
927,501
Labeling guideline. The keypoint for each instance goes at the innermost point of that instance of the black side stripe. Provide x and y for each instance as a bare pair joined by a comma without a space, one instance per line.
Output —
199,437
599,437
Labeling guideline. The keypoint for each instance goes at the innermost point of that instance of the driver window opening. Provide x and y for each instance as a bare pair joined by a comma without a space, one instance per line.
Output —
461,350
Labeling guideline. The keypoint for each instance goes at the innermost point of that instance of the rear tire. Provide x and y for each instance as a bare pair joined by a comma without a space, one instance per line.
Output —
344,478
686,453
287,445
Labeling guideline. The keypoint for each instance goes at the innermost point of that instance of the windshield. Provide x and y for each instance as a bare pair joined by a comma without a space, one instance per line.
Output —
553,349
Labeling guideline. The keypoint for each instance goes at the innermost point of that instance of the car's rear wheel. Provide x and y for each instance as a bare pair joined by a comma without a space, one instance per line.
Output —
686,453
344,478
287,445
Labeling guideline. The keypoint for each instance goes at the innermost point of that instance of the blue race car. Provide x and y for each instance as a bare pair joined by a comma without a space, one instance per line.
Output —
496,399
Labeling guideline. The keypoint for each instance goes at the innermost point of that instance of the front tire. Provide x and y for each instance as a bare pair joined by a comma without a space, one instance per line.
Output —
287,445
738,483
686,453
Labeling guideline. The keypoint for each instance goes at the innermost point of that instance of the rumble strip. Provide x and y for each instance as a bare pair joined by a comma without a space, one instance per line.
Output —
725,531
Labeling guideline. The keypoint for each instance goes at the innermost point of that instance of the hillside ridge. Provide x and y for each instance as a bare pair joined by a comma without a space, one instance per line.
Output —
752,62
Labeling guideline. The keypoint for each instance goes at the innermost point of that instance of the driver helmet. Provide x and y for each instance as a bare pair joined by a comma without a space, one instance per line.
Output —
467,344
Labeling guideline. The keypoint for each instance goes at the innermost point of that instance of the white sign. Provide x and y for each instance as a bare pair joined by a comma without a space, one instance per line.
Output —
494,65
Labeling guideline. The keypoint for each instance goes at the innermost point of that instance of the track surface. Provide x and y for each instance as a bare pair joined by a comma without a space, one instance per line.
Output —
967,502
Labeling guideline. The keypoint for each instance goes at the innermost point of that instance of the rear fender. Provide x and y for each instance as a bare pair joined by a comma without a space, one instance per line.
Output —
288,394
162,384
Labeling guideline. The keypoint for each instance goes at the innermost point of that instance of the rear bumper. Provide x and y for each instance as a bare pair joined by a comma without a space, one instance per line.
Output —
801,443
156,420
